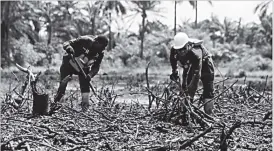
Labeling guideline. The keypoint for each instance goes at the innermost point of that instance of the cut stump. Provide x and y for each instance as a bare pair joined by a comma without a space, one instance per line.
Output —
40,101
40,104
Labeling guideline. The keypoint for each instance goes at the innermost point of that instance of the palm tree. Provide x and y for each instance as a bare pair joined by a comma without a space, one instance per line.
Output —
228,28
175,15
93,10
266,20
259,35
194,4
119,8
143,7
85,20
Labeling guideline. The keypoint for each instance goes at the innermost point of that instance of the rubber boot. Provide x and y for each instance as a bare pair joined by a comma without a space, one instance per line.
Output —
208,108
85,101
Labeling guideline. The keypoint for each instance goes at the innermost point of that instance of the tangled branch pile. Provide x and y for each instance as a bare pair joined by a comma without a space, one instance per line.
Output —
242,121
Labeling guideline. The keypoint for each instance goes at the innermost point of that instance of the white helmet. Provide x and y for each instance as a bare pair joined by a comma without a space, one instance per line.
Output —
180,40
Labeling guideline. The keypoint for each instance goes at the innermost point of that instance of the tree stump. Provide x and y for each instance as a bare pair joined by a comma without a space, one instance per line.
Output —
40,101
40,104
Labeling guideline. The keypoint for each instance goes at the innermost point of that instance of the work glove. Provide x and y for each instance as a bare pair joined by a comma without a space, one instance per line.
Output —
174,76
70,50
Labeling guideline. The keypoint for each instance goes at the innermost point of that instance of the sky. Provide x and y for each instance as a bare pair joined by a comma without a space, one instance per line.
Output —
230,9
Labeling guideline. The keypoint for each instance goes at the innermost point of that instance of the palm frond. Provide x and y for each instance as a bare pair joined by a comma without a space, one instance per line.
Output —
262,8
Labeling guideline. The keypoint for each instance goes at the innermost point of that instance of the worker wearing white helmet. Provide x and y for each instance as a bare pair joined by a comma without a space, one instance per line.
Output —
197,64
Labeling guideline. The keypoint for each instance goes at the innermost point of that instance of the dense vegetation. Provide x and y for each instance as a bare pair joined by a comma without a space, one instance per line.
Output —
249,46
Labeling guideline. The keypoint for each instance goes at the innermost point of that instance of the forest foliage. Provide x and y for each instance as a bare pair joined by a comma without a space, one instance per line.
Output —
231,42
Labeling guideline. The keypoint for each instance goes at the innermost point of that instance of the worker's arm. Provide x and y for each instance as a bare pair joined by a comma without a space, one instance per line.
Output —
96,66
173,60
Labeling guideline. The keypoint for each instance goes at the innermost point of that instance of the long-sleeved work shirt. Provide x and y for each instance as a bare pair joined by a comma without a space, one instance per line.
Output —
191,62
83,48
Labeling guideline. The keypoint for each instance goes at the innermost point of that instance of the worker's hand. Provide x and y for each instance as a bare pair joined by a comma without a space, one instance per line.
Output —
70,50
91,75
174,76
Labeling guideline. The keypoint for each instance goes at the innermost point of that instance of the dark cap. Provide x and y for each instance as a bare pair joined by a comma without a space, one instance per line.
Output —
102,40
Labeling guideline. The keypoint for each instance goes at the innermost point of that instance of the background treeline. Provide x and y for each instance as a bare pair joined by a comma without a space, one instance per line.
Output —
32,33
